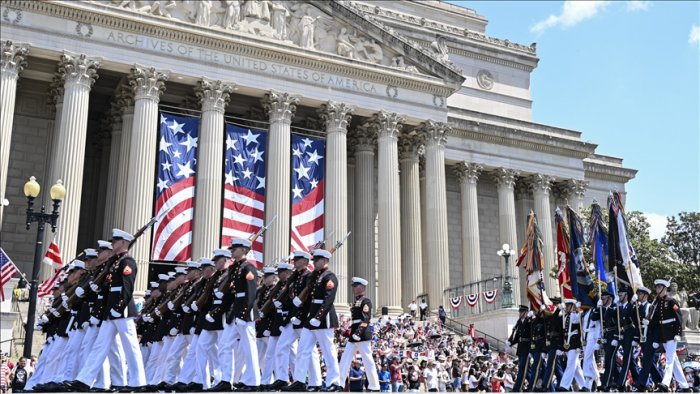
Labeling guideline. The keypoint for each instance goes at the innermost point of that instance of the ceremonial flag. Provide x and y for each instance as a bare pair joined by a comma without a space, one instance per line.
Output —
599,247
620,252
175,187
7,271
53,256
582,287
563,275
532,260
244,187
307,191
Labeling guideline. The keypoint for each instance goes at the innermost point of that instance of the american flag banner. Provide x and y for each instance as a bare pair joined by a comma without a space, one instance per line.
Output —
244,187
7,271
175,185
308,181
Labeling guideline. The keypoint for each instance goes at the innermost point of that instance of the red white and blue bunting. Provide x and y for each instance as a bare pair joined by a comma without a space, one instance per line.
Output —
490,296
456,302
472,299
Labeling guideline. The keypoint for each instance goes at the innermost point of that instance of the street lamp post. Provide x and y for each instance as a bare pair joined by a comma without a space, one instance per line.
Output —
507,285
31,190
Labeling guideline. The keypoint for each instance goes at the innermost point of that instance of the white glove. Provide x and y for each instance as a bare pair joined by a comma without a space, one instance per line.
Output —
295,321
617,299
186,309
561,306
49,339
677,338
192,330
157,312
44,319
266,333
80,292
173,332
94,321
315,322
645,322
147,318
194,306
634,298
239,321
634,344
85,325
578,304
277,304
613,342
94,287
530,314
655,345
297,302
37,327
209,318
560,352
542,307
114,313
218,294
600,303
596,346
508,343
55,312
171,306
64,304
64,297
356,337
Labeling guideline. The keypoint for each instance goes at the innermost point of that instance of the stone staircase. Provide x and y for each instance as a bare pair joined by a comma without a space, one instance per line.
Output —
18,333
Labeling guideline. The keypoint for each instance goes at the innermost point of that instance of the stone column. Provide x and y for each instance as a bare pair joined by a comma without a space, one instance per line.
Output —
214,97
148,84
436,211
125,99
468,174
505,179
425,259
541,185
579,192
351,210
411,242
388,126
115,116
280,107
79,72
364,140
13,63
336,117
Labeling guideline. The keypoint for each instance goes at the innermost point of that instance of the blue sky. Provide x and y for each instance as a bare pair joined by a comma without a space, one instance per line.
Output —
626,75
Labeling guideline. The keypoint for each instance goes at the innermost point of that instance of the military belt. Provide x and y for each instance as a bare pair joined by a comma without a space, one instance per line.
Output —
241,294
357,321
668,321
318,301
114,289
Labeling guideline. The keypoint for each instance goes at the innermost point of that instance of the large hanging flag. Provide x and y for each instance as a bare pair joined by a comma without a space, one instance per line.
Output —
599,248
53,258
8,269
563,254
532,261
244,187
175,187
582,287
53,255
307,191
621,254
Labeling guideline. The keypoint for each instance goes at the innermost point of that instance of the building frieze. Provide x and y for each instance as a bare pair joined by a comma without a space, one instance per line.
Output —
596,168
90,14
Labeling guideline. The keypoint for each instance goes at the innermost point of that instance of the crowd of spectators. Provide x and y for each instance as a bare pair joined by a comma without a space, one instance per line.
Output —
13,376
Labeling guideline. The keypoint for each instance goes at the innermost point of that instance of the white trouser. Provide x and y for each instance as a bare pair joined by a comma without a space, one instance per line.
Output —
71,362
116,364
41,362
187,375
125,329
673,366
206,354
365,350
103,379
307,342
590,368
286,356
261,344
145,353
268,365
227,342
162,359
152,363
54,369
573,370
173,360
238,367
246,352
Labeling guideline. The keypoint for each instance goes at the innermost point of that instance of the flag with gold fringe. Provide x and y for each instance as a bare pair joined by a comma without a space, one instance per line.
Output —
532,261
563,275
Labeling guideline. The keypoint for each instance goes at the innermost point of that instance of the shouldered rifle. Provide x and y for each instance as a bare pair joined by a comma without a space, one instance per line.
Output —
163,308
310,284
208,287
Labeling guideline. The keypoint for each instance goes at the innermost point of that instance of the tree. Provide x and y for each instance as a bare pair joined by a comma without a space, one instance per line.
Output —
683,237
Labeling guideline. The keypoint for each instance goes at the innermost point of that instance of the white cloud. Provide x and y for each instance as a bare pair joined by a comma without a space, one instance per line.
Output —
694,37
657,224
572,13
638,5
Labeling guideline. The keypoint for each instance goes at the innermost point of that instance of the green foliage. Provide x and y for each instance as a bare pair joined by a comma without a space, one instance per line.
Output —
683,237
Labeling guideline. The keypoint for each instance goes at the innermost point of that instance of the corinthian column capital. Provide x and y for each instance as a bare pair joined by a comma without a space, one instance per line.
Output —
410,147
56,90
280,106
124,98
78,69
336,116
579,187
147,82
13,57
541,182
505,177
364,138
467,172
434,132
214,95
387,124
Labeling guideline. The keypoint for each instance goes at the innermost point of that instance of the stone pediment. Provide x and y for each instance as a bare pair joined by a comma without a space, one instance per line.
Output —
332,27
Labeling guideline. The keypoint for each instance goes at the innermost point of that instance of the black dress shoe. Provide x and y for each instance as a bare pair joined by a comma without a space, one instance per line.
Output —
76,385
334,388
662,388
247,389
128,389
296,386
237,385
277,385
220,387
562,390
314,388
194,387
179,387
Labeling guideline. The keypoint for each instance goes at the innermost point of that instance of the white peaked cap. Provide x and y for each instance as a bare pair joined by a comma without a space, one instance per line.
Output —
240,242
203,262
359,281
163,277
269,271
121,234
284,266
663,282
300,254
89,252
154,285
322,253
222,253
192,264
102,244
180,270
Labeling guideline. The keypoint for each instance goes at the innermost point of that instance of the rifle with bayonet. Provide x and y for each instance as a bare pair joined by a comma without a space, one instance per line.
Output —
304,295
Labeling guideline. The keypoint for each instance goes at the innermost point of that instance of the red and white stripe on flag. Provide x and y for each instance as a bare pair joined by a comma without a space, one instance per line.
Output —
53,256
7,271
46,287
307,187
244,187
175,186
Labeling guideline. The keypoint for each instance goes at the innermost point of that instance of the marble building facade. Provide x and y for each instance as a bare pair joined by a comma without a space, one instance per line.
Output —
434,160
